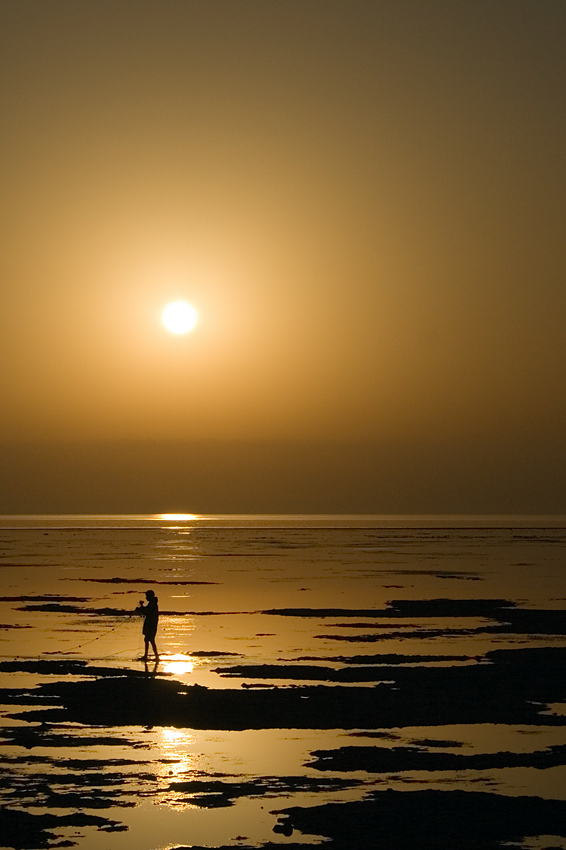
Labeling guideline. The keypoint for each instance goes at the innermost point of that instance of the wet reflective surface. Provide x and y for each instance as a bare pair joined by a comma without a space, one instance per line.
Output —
304,662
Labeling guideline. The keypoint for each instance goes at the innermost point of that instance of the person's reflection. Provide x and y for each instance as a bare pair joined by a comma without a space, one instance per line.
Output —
151,671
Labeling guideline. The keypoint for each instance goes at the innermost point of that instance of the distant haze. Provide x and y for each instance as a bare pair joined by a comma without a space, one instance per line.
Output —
363,200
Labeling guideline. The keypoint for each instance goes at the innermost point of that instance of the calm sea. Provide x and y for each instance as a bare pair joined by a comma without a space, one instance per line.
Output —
257,603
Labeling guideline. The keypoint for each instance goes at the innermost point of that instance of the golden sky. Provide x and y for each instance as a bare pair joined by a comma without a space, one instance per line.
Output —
363,200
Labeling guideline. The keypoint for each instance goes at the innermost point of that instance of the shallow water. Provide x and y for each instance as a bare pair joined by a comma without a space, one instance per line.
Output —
254,604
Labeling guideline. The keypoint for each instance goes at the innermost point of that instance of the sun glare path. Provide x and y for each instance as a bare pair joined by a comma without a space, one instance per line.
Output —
179,317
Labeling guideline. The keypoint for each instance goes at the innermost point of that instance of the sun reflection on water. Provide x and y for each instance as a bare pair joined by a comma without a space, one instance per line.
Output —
176,756
177,664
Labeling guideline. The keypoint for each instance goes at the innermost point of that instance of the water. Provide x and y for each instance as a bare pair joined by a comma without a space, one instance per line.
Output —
253,603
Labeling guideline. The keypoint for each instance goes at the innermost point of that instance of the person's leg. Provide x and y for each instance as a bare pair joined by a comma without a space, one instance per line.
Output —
153,644
146,643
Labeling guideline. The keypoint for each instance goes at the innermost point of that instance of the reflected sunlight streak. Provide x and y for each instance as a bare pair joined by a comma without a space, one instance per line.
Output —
173,745
177,664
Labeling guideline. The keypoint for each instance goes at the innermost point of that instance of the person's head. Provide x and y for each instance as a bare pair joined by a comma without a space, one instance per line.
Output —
149,595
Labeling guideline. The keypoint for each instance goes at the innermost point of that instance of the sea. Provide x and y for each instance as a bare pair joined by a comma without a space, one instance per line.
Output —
437,644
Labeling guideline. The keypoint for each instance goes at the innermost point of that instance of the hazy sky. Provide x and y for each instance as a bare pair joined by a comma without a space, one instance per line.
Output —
363,199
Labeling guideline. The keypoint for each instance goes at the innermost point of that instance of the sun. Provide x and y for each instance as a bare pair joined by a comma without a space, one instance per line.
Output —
179,317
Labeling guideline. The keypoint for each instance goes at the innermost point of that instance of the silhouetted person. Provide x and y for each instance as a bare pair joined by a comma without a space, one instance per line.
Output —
149,628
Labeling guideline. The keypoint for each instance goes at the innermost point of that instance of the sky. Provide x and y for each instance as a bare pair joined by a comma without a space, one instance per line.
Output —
364,202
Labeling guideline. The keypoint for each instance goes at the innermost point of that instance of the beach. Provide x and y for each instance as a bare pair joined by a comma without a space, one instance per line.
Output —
349,681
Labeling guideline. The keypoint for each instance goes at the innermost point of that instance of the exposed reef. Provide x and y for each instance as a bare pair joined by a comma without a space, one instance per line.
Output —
21,830
151,581
435,820
510,686
398,759
370,695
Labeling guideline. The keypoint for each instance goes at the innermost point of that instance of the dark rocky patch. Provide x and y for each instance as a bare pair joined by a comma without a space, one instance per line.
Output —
422,742
386,736
436,742
399,759
214,794
458,577
489,608
57,736
55,667
509,618
22,830
269,846
328,612
45,667
356,625
432,820
118,580
46,597
420,633
55,607
533,622
299,672
450,574
74,764
88,790
385,658
213,654
512,686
